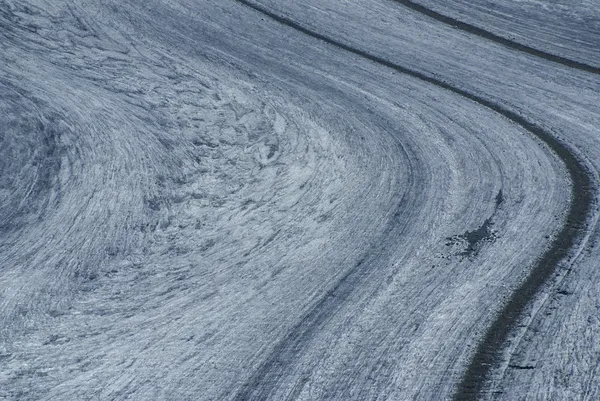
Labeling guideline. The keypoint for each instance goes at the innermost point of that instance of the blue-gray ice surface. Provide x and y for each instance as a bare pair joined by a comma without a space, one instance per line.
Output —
315,200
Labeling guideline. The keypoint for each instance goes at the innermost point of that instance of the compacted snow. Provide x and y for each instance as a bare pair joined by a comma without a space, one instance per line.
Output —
315,200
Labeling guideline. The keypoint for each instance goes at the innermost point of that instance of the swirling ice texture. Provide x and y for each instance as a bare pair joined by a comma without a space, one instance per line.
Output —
556,355
186,185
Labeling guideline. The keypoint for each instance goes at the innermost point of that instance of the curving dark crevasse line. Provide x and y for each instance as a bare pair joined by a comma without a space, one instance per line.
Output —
472,29
263,381
489,351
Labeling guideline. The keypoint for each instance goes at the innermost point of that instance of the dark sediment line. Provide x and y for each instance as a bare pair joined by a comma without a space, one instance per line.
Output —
472,29
263,382
489,351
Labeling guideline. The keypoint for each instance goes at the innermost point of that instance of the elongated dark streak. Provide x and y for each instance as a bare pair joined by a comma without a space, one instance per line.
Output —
489,350
472,29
